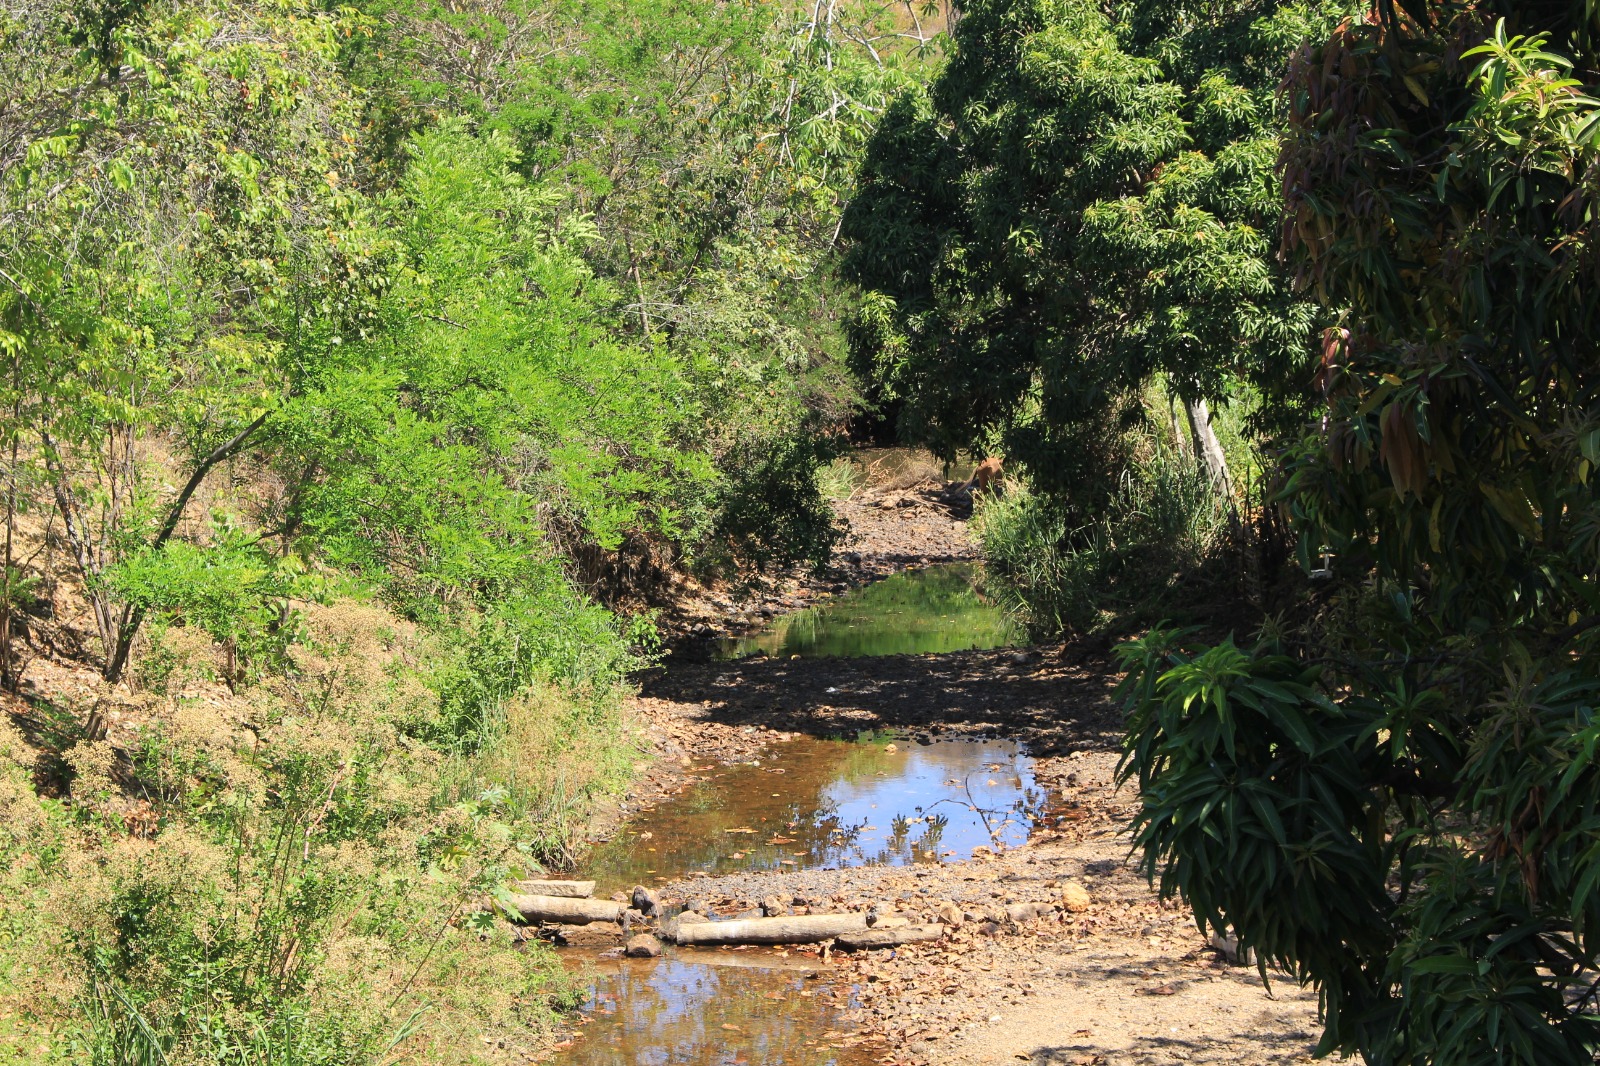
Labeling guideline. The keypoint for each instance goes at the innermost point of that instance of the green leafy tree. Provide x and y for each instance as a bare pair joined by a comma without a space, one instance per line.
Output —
162,172
493,420
1084,200
712,144
1396,798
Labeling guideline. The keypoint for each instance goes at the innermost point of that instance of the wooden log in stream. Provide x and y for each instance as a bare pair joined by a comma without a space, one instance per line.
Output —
573,889
797,929
565,910
889,938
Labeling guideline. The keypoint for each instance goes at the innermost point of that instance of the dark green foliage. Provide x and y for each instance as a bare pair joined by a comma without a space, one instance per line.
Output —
773,510
1083,200
1439,761
1255,791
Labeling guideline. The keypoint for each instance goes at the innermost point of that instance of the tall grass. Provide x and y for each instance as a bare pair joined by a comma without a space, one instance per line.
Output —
1138,560
307,891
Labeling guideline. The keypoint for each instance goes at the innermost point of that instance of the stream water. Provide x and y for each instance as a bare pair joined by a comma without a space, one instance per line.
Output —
713,1009
932,609
808,803
827,804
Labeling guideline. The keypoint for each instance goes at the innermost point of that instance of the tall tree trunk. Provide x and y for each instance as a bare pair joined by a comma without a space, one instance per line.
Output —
1179,437
1208,448
8,672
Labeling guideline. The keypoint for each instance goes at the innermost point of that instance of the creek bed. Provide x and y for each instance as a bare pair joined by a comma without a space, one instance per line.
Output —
806,804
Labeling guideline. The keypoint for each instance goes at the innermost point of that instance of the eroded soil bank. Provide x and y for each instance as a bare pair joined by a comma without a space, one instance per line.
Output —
1125,980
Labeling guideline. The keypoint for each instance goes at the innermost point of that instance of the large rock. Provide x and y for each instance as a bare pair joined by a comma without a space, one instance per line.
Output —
646,901
670,927
643,946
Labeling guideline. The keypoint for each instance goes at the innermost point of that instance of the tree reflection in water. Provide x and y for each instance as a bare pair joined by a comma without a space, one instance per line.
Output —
701,1009
830,803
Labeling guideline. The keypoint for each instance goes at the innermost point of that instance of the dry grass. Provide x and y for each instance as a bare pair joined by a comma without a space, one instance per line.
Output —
213,817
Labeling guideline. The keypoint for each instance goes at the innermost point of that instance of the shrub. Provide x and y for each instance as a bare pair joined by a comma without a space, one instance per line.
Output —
1138,559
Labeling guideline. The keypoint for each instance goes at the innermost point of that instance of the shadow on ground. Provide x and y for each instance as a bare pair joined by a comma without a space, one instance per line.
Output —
1033,696
1270,1047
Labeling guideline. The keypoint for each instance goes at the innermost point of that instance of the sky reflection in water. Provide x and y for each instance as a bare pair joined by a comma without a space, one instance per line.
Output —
828,804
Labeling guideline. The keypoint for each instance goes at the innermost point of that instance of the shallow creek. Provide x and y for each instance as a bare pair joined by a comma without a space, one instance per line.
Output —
932,609
828,804
804,804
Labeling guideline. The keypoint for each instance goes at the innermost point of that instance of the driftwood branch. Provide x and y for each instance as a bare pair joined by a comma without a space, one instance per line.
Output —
799,929
565,910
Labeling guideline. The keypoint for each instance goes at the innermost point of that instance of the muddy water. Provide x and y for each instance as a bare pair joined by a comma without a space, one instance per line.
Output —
934,609
717,1008
829,804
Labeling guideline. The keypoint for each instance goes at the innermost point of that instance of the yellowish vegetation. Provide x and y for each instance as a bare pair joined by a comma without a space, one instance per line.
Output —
288,855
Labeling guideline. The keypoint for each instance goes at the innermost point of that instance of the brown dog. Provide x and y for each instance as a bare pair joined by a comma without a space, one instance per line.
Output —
988,476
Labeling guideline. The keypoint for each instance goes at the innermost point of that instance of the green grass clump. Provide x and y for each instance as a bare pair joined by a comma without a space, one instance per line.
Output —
1139,560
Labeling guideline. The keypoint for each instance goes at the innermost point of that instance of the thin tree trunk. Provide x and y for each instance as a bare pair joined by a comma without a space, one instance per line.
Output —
133,618
83,552
1208,448
7,663
1181,438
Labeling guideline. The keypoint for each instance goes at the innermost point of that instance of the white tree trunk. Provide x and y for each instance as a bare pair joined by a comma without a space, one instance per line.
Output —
1208,448
802,929
565,910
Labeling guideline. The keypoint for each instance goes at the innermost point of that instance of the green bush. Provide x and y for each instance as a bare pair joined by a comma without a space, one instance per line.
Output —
234,590
490,658
1139,559
773,509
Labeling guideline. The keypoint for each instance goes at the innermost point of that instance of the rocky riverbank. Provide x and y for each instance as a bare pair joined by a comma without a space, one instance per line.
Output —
1055,952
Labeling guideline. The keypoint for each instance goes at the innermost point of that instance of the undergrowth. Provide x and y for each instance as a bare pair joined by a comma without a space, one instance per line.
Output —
303,871
1160,549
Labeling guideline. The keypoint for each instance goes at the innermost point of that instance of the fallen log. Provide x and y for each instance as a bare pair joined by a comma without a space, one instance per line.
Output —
795,929
573,889
889,938
565,910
